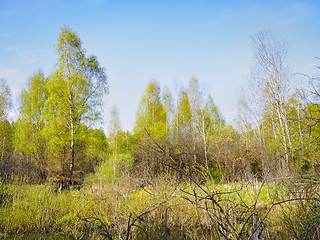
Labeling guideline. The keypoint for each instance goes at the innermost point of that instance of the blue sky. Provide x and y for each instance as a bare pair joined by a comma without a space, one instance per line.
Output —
168,41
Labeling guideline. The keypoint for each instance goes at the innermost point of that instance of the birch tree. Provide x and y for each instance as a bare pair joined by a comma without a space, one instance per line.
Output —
151,114
150,126
270,72
76,90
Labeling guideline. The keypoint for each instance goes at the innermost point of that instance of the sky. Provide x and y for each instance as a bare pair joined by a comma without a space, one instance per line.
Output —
167,41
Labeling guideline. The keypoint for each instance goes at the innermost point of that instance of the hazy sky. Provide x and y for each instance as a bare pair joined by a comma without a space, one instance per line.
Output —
168,41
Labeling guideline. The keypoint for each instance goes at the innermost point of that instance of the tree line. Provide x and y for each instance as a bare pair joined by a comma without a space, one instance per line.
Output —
56,138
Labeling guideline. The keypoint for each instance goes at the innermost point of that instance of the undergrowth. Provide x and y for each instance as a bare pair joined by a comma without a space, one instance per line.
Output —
124,207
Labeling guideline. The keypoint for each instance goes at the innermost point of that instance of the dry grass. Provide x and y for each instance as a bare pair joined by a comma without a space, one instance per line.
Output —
162,209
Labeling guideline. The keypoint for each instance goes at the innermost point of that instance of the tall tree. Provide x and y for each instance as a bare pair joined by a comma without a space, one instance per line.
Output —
30,124
76,90
270,72
6,129
151,114
150,127
210,121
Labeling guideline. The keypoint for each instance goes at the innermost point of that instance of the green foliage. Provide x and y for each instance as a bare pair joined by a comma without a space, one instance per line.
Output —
6,140
183,114
39,210
214,118
6,130
75,97
54,135
162,208
115,167
6,147
96,145
216,174
147,174
29,139
5,99
57,111
151,114
126,141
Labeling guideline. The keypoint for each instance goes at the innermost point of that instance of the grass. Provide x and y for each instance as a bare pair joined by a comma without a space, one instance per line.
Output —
163,209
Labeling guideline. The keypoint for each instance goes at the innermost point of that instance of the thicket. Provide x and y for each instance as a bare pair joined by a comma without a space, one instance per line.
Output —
181,173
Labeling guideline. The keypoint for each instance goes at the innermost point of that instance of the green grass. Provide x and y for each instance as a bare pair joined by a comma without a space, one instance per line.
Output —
164,206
